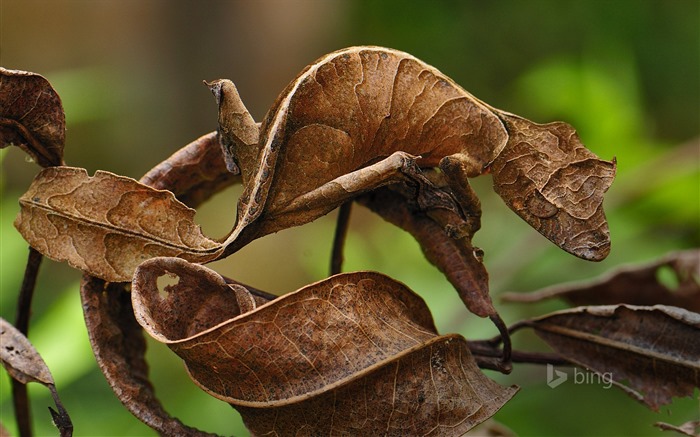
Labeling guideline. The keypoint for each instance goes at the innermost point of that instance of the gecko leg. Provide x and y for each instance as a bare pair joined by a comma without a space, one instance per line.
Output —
457,169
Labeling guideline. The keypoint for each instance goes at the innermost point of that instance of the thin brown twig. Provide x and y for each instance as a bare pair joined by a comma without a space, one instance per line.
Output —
20,397
483,351
489,356
60,418
506,353
341,231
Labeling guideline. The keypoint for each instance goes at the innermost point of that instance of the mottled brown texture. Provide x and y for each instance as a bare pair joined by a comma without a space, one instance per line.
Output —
357,352
20,358
655,350
119,347
238,127
346,116
106,224
353,121
547,176
31,116
455,257
432,390
355,109
633,284
24,364
194,173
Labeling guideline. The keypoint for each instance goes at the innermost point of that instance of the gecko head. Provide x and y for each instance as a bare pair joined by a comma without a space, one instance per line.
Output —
547,176
238,132
225,91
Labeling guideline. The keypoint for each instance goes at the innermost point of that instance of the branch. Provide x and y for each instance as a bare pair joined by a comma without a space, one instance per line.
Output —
20,397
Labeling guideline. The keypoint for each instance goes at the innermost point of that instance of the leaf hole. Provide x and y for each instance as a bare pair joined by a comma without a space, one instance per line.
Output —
165,282
667,276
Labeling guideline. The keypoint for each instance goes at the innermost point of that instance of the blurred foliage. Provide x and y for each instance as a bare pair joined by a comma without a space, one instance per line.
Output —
625,73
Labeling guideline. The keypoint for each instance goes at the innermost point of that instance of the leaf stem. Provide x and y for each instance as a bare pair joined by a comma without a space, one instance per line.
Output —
483,351
341,231
61,418
507,352
20,397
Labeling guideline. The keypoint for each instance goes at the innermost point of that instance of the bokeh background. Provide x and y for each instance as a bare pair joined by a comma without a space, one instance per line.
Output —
625,73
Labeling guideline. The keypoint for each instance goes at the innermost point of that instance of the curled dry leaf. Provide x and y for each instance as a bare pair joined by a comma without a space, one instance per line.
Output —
355,353
194,173
31,116
106,224
119,347
25,365
377,109
655,349
691,429
432,390
635,284
455,257
20,358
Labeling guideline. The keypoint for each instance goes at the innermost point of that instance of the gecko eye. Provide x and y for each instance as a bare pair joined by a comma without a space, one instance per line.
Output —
231,164
540,207
478,254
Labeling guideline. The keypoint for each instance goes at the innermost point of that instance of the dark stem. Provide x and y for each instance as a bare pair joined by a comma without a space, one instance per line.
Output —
341,231
60,418
20,400
252,290
505,339
20,397
505,331
486,353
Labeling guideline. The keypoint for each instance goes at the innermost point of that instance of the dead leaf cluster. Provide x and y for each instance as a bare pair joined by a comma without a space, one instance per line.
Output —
356,353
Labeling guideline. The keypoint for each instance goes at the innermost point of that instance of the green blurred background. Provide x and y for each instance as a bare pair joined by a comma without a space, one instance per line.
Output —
625,73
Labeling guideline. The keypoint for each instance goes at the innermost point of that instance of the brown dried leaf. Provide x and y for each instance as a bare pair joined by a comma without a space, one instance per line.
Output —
356,353
106,224
24,364
347,111
455,257
194,173
547,176
655,349
20,358
635,284
119,347
435,389
31,116
691,429
335,132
